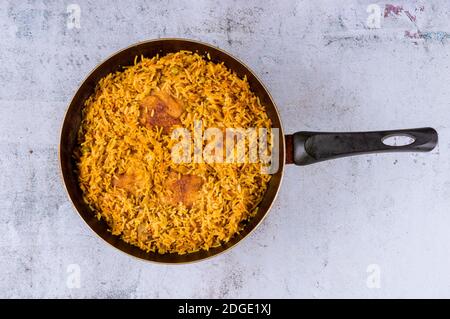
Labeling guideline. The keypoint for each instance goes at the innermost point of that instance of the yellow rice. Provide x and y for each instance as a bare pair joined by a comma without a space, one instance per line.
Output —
112,139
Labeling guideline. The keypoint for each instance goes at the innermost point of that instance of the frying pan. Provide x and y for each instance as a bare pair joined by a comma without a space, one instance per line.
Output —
301,148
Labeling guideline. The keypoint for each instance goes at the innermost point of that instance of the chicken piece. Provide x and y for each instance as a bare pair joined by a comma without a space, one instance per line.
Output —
131,181
160,109
174,107
185,189
144,232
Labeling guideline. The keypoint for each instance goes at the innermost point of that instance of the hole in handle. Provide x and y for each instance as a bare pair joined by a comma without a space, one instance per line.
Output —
398,140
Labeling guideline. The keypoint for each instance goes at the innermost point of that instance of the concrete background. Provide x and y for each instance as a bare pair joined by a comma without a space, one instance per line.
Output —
369,226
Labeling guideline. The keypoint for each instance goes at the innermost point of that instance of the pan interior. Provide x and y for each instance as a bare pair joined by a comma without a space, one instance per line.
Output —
72,124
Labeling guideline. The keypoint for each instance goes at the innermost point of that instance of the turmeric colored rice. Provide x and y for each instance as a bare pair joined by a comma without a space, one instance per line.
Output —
125,168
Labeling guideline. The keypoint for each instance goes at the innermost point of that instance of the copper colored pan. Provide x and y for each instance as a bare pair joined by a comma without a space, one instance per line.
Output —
302,148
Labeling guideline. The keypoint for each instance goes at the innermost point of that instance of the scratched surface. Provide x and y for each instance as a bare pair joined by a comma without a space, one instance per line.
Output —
327,70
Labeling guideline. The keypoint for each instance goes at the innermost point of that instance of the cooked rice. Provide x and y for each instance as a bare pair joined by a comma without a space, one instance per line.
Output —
112,140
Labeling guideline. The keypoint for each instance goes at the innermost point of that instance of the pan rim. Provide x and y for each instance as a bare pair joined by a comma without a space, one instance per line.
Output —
282,164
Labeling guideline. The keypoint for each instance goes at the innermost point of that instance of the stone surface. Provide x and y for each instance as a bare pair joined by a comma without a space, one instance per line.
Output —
335,225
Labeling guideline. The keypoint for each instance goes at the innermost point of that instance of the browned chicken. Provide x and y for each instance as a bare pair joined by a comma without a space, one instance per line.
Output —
160,109
144,232
184,189
130,181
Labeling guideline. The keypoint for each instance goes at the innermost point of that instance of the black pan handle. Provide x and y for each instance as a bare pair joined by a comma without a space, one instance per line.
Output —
313,147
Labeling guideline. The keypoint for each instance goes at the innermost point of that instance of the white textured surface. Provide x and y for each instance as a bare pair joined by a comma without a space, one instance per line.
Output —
326,70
